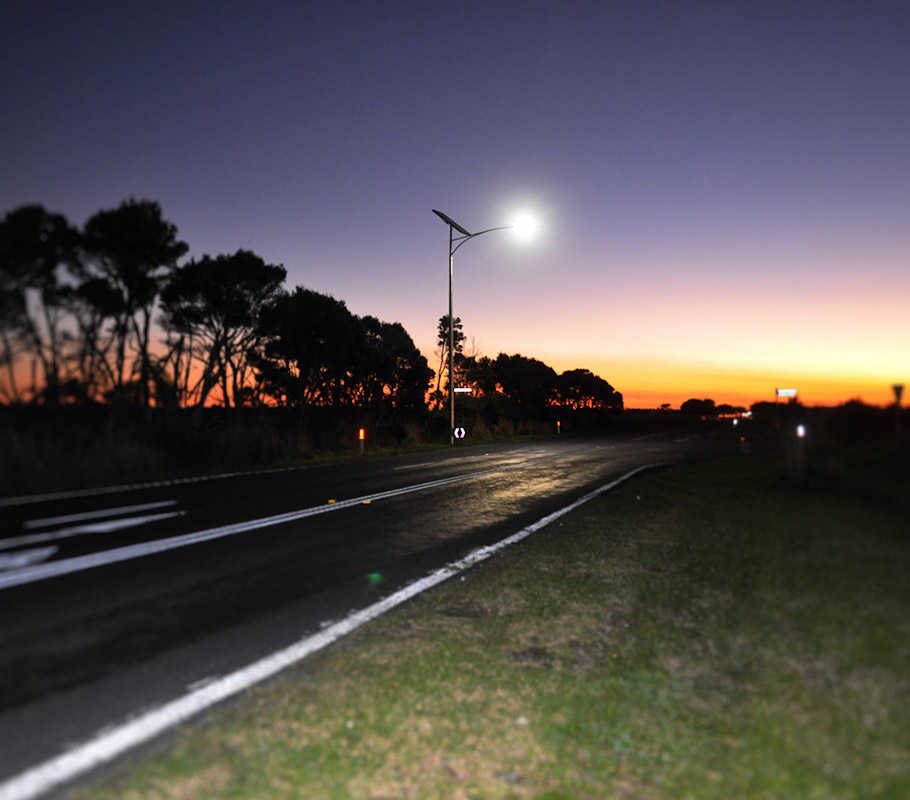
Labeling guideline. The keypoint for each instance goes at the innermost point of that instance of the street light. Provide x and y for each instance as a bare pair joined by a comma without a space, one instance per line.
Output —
525,226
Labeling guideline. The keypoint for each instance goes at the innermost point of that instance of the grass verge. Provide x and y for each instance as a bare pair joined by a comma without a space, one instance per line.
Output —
702,631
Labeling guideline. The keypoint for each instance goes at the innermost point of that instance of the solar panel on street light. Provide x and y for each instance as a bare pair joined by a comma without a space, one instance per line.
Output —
450,221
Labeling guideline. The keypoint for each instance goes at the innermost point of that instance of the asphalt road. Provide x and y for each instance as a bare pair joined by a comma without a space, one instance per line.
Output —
117,600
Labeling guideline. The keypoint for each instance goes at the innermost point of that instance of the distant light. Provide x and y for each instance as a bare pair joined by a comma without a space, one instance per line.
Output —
361,434
525,226
786,392
467,389
801,431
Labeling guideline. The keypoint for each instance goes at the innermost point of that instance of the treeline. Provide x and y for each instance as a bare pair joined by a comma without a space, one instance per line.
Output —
80,310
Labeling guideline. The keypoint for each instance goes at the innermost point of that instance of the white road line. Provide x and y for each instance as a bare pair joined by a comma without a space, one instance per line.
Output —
99,514
115,741
106,526
66,566
26,499
25,558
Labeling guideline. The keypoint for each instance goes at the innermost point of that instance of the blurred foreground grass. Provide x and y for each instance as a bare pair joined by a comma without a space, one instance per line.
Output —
701,631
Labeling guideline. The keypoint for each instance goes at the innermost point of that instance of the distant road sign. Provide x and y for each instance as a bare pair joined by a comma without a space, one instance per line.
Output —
459,433
786,392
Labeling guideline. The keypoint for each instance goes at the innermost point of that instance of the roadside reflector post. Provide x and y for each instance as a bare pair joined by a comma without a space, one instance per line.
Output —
795,454
361,435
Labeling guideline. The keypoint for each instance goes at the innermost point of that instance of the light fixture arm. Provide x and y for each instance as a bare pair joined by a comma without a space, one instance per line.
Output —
462,239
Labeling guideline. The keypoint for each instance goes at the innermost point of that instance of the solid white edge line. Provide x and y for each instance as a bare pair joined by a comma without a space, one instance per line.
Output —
116,741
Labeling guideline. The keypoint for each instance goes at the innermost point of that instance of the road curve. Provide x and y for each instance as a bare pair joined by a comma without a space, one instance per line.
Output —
117,600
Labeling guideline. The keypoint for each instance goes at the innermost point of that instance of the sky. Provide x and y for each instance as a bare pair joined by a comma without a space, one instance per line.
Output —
722,188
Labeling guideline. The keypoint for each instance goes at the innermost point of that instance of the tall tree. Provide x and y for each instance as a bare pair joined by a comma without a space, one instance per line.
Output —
581,388
12,311
696,406
391,372
308,359
132,248
526,381
217,304
478,372
442,349
93,303
36,248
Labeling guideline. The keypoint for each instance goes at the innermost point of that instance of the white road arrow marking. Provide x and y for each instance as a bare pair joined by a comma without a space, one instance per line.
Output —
100,514
25,558
107,526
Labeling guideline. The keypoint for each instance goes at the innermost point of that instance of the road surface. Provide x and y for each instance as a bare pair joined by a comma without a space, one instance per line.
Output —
117,600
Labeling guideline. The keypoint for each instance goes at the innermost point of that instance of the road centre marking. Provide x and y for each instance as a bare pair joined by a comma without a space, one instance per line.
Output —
66,566
113,742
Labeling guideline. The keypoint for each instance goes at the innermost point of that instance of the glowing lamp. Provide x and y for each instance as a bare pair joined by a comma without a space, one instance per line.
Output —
525,226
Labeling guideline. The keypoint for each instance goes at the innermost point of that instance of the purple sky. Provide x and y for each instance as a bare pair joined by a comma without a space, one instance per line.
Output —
723,187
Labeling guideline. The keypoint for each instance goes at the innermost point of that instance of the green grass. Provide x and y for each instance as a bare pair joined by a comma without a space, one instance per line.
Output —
702,631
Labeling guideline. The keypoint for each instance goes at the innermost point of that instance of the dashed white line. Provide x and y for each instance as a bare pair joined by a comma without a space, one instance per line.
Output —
113,742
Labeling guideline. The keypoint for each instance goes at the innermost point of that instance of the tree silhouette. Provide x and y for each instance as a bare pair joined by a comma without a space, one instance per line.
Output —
307,358
132,249
212,309
477,372
392,371
36,247
580,388
92,303
701,407
526,381
442,350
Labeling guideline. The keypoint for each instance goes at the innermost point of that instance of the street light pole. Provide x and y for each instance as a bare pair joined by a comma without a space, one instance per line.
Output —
454,243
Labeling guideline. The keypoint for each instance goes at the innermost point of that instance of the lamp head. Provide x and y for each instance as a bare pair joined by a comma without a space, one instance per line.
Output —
525,226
